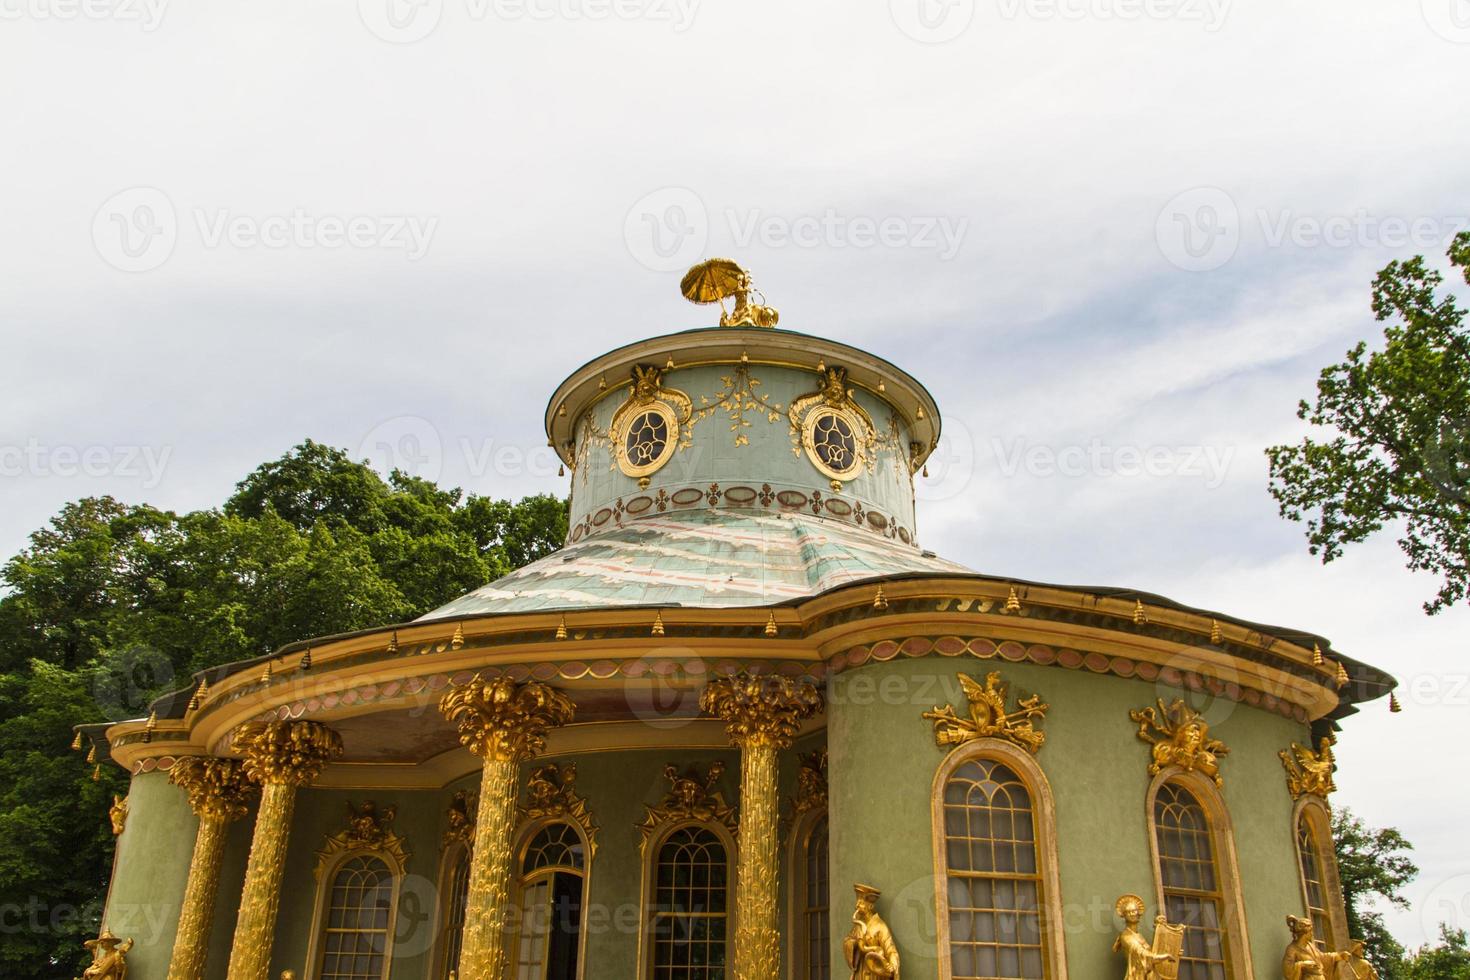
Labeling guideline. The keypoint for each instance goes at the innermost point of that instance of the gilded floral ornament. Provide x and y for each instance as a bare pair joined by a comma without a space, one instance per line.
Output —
504,721
691,796
288,752
460,818
368,829
1309,772
761,709
109,957
738,399
551,795
988,716
1180,737
215,787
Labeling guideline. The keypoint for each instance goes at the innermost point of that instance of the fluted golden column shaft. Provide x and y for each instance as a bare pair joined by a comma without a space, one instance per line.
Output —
504,723
282,757
191,942
762,712
490,875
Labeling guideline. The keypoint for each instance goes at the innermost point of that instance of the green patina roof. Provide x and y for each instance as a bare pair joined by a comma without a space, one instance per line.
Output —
705,558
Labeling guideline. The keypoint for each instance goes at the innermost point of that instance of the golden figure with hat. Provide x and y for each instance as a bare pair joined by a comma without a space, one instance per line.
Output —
1303,960
1358,966
1158,960
716,280
109,957
869,948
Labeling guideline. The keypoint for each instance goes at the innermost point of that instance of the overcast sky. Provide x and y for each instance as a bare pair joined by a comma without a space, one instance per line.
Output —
1101,231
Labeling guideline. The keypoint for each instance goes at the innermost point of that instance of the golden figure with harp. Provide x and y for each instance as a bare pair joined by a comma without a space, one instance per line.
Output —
716,280
1157,960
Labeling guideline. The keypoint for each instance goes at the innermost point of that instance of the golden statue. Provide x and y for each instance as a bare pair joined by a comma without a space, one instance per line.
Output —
1180,737
1308,771
109,957
1358,964
1303,960
118,814
988,716
869,948
716,280
1158,960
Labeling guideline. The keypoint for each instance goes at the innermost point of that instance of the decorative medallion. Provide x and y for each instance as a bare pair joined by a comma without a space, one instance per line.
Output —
368,829
646,428
691,796
1180,737
837,434
460,818
1308,772
550,794
988,716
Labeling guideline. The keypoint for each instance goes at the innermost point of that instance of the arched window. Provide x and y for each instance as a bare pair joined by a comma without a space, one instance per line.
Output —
996,878
1197,876
553,872
810,899
357,927
1321,892
688,924
453,896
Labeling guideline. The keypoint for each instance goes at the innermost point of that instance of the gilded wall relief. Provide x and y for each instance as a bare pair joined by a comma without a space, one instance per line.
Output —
838,436
1180,737
988,717
1308,772
691,796
551,795
368,829
739,400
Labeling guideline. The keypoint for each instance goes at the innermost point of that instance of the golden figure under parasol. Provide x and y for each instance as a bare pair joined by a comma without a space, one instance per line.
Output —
716,280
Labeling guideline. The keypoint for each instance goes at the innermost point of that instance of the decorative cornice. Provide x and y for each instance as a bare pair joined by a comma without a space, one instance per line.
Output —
988,717
503,721
1180,736
368,830
217,788
761,709
288,753
691,796
551,795
1308,772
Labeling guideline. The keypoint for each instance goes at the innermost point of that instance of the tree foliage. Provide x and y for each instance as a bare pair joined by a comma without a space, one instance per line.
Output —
111,604
1373,864
1396,442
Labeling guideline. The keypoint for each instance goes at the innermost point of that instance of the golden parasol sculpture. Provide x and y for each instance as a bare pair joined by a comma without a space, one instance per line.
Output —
716,280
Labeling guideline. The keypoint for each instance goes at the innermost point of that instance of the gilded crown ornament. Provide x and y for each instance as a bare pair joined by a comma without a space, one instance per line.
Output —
761,709
716,280
988,717
551,794
288,752
501,720
1308,772
216,787
1180,737
691,796
368,829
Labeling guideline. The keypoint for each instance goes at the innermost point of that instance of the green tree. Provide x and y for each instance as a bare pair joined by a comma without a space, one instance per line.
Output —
112,604
1373,864
1396,445
1449,960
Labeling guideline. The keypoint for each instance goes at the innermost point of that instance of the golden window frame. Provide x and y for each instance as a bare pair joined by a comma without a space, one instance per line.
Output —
315,950
619,435
1044,819
448,864
525,836
1227,865
1314,812
647,890
858,429
797,884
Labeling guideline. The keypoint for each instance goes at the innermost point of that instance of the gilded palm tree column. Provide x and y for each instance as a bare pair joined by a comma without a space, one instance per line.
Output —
219,794
282,757
761,712
504,723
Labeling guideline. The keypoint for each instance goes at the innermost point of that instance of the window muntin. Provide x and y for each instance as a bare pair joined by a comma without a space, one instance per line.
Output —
1190,876
456,898
690,892
644,439
992,877
358,919
1314,881
553,869
833,442
813,945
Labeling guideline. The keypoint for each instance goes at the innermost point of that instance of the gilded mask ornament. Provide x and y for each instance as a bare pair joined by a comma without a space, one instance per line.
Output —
648,427
1157,960
691,796
988,717
551,794
868,948
1308,772
837,434
1303,960
109,957
368,829
460,818
1180,737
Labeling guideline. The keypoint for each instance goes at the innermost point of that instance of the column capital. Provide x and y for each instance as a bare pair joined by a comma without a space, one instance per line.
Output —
290,753
500,720
761,709
217,788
